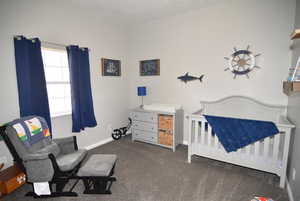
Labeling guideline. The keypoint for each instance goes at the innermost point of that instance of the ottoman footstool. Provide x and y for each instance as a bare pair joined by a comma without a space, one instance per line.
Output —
97,173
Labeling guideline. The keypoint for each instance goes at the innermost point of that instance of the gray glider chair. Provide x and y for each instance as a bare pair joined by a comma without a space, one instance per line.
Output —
42,158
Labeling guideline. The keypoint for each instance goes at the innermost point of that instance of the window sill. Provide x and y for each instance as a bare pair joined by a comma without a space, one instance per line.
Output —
61,115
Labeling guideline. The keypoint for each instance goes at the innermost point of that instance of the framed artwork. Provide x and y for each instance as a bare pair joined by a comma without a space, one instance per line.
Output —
110,67
150,67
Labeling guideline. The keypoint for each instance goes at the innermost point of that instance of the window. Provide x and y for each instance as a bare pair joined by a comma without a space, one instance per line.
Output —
57,80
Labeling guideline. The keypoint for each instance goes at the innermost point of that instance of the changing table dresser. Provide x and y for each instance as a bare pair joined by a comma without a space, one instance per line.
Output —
163,128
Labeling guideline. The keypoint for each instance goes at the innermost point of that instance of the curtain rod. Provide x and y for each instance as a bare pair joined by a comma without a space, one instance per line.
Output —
51,43
57,44
42,41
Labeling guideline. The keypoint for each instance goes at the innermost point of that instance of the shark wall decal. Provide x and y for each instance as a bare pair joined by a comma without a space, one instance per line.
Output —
186,78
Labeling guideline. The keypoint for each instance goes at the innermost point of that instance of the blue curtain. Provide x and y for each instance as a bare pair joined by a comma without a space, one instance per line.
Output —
82,101
33,97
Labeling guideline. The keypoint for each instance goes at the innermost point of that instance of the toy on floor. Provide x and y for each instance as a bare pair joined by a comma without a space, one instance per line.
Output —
262,199
118,133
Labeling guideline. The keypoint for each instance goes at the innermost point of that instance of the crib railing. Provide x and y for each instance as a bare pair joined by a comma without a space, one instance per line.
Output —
269,154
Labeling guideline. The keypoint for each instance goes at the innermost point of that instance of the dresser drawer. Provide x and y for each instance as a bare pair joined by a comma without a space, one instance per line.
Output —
145,126
144,116
165,138
145,136
165,122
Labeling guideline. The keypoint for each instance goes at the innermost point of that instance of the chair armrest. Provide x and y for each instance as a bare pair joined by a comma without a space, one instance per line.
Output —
67,144
39,167
64,140
36,156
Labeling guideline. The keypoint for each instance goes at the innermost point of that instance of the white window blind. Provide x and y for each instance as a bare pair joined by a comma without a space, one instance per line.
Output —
58,81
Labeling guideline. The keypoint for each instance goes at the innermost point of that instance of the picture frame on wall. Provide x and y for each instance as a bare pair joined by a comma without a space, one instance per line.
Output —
150,67
110,67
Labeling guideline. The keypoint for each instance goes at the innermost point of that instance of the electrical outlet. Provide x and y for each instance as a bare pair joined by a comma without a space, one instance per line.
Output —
294,174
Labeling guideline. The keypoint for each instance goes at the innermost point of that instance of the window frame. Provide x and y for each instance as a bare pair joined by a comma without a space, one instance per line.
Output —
66,112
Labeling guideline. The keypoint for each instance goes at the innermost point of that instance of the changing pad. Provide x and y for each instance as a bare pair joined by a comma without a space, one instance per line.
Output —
162,107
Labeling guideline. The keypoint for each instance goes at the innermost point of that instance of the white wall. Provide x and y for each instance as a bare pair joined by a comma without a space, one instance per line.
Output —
294,116
62,23
294,162
198,41
194,42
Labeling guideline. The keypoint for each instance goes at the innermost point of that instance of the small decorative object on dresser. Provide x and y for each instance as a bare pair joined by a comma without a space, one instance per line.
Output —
110,67
159,125
150,67
11,179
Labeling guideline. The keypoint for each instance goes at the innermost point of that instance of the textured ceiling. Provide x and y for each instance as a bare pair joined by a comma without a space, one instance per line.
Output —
142,10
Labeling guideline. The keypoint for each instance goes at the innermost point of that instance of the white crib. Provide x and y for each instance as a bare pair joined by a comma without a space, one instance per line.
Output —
270,154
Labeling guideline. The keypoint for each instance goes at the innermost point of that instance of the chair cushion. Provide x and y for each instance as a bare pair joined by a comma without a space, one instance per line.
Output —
98,165
68,162
52,148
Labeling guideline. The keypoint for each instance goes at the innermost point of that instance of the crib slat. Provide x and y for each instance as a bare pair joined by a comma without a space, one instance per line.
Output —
190,144
202,132
193,131
216,141
239,151
266,147
196,132
209,135
276,147
248,149
256,148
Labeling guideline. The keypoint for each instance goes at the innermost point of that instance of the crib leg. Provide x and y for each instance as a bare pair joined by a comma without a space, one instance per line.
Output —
190,141
189,158
282,181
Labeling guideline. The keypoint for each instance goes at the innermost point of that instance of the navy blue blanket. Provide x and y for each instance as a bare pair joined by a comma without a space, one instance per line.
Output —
236,133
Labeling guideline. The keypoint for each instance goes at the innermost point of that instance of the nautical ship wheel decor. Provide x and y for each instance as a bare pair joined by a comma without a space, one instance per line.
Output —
242,62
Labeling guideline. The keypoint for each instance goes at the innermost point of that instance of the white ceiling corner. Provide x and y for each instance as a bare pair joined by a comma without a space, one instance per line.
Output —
141,10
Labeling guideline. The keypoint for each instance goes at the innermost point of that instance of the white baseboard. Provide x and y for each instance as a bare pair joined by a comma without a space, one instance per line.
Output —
102,142
289,190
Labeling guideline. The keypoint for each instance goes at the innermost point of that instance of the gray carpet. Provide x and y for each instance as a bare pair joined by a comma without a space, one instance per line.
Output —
150,173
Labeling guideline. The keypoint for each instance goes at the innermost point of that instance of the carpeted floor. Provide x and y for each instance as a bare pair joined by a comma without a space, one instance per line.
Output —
150,173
